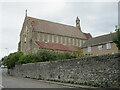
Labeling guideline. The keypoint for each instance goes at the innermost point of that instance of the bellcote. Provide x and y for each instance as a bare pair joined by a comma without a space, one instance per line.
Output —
78,23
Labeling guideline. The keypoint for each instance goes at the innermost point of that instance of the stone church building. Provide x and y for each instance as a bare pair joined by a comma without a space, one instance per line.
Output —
39,34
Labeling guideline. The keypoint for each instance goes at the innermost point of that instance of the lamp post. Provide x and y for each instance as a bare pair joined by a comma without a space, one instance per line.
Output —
7,51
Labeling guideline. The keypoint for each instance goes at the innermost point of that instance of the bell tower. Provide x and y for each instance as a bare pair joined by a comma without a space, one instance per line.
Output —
78,23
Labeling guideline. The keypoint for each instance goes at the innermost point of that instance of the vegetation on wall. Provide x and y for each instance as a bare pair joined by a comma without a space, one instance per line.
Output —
43,55
78,53
116,38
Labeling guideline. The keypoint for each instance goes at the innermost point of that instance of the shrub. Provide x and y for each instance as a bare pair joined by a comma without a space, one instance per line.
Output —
62,56
28,58
11,59
41,56
45,55
78,53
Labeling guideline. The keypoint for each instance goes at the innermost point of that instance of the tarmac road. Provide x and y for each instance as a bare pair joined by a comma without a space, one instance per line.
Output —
17,82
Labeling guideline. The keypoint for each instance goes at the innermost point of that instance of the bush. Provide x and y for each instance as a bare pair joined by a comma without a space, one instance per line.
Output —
11,59
28,58
45,55
62,56
42,56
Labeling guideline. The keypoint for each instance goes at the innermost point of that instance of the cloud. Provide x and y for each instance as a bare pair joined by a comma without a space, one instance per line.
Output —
59,0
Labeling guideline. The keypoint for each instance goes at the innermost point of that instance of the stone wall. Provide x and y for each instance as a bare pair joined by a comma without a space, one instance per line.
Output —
96,70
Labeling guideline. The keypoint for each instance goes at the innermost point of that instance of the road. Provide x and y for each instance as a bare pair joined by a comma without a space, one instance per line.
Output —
16,82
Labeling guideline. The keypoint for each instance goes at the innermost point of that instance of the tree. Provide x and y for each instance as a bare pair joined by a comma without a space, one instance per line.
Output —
10,60
0,62
116,38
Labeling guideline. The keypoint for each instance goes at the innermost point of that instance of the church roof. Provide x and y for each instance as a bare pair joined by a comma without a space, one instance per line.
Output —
56,46
54,28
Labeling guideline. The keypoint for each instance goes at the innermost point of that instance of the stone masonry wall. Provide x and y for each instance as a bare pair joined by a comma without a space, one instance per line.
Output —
101,70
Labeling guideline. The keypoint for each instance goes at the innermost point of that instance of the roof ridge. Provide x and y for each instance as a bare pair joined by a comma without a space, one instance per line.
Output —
101,35
51,21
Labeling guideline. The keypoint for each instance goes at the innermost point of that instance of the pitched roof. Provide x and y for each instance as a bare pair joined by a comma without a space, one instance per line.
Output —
54,28
56,46
88,35
98,40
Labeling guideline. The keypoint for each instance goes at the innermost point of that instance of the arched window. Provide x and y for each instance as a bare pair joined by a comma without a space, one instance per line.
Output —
73,41
80,42
65,40
57,39
48,38
69,40
61,40
53,38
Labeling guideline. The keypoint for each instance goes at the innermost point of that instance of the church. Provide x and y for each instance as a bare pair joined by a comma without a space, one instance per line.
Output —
37,34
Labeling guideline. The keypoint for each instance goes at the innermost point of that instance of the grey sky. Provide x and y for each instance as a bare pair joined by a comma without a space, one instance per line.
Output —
97,18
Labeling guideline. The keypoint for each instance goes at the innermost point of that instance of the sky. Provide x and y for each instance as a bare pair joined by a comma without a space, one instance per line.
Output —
97,17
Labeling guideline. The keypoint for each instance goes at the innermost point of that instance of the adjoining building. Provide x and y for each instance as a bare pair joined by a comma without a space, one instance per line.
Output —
100,45
39,34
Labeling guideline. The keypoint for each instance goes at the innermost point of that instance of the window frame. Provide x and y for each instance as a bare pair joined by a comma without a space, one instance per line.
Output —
100,47
89,49
108,45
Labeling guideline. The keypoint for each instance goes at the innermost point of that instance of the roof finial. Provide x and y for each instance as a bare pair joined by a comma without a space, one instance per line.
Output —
26,12
77,18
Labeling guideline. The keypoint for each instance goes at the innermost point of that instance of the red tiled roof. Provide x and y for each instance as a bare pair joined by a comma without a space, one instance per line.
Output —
56,46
